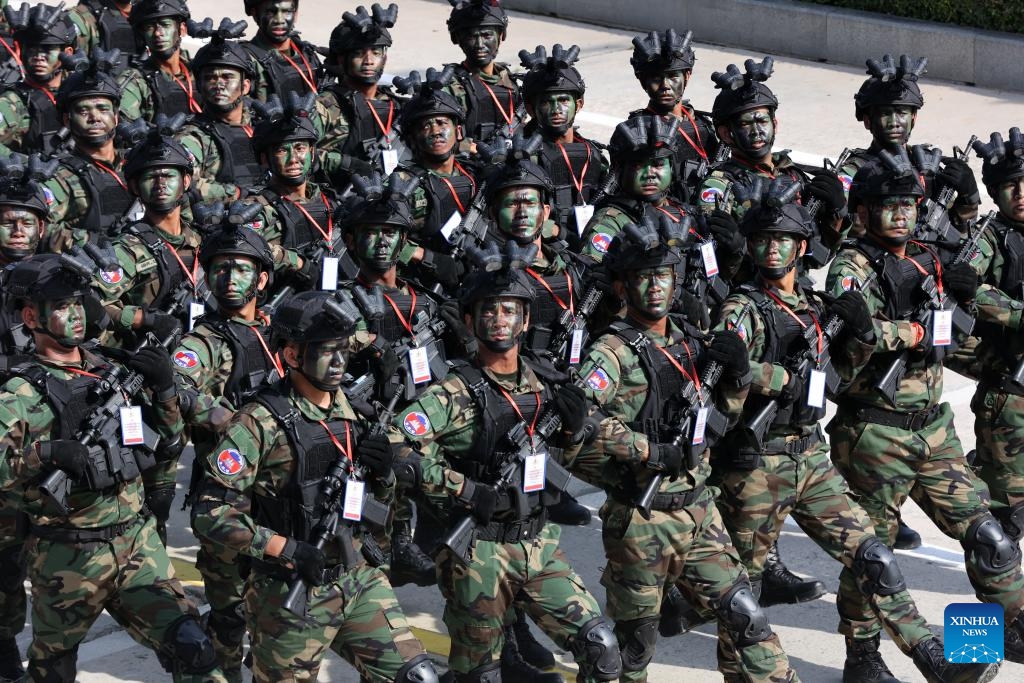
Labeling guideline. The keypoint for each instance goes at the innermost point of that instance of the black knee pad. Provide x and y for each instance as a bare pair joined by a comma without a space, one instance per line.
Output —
186,648
637,639
992,551
875,569
12,570
159,501
743,617
419,669
597,650
228,625
488,673
1012,519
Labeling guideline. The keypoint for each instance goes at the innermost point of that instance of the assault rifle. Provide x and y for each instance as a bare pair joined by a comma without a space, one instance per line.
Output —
818,255
813,204
561,345
963,322
460,539
936,226
699,409
109,463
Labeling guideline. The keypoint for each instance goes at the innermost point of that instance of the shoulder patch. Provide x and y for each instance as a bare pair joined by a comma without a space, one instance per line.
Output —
416,423
850,282
601,241
598,379
230,462
847,181
112,277
711,195
50,198
186,359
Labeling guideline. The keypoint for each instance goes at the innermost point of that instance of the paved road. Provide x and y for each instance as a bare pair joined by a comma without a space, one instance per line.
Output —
816,120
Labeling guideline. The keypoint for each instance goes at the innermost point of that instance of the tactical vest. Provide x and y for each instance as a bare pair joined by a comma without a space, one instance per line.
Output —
250,368
115,31
239,164
297,232
14,338
390,326
483,119
295,511
581,154
442,205
545,310
168,96
364,133
109,201
281,76
168,269
899,279
1011,244
44,121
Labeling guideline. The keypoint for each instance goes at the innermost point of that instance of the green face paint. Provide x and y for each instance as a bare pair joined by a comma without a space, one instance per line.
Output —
754,132
774,253
556,112
276,19
64,319
162,36
41,62
521,213
649,291
499,322
291,162
366,64
1010,199
20,231
233,280
222,88
377,246
892,220
891,126
323,363
93,120
649,179
435,137
161,189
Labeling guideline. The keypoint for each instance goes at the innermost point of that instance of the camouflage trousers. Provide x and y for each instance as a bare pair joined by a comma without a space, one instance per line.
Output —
130,576
691,548
357,616
534,575
883,466
12,569
755,504
999,428
225,591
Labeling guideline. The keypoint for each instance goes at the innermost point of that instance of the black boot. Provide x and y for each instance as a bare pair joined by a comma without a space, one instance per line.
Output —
677,614
515,668
530,650
569,511
906,538
11,669
781,586
864,662
1013,640
409,564
930,660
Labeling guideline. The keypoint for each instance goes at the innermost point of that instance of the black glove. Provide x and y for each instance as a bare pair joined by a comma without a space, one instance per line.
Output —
731,352
309,273
457,333
852,309
160,324
826,188
355,166
385,362
154,364
65,454
665,457
961,281
445,269
726,231
308,560
958,174
571,403
376,454
481,499
794,390
598,276
693,309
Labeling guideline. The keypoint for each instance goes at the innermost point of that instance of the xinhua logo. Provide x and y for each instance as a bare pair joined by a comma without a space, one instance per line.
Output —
973,632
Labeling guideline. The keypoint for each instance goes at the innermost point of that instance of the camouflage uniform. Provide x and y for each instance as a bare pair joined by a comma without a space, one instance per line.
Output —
698,142
214,180
348,128
101,23
148,90
85,198
619,210
484,120
21,106
300,72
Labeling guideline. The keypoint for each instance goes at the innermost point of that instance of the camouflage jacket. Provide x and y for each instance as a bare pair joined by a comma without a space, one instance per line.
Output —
138,101
207,158
70,202
305,61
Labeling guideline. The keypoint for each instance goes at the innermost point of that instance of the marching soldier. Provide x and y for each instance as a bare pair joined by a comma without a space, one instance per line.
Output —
104,25
284,62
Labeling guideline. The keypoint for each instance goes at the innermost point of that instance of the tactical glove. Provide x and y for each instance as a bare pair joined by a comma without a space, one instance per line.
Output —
385,363
731,352
852,309
693,309
457,332
160,324
355,165
794,390
571,403
481,499
666,458
307,559
958,174
154,364
375,453
826,188
728,239
961,281
65,454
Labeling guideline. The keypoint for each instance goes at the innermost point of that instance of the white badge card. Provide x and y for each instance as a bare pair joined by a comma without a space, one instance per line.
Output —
583,214
707,253
390,159
575,347
195,310
816,389
700,425
449,225
942,328
131,426
419,361
534,472
353,509
329,274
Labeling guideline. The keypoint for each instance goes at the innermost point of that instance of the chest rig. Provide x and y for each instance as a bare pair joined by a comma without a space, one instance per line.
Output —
250,368
1011,243
585,164
442,204
109,201
899,278
172,278
44,120
115,31
484,121
364,133
298,233
545,310
282,77
168,96
239,164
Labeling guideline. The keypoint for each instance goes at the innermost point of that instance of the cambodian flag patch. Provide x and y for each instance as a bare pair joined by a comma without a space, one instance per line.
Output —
229,462
598,380
850,282
710,195
47,192
601,241
256,225
112,277
416,424
847,181
186,359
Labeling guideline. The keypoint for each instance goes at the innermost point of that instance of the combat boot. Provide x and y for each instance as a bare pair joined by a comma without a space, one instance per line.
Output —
930,660
515,668
781,586
11,669
409,564
864,663
906,538
529,649
1013,640
677,614
569,511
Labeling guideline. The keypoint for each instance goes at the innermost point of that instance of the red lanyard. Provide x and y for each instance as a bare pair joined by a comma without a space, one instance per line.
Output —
193,276
43,89
344,450
309,70
451,188
817,326
920,268
497,103
193,106
698,146
406,322
266,349
758,168
113,174
385,129
695,378
84,373
312,221
536,413
583,174
15,52
558,300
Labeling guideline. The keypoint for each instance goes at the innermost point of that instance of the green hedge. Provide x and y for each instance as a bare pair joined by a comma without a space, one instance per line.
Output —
995,15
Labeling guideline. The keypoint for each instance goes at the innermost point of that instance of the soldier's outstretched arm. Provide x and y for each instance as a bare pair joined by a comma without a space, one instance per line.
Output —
443,415
850,270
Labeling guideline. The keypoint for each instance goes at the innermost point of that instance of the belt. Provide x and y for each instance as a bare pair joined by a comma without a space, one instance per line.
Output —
670,502
512,532
97,535
795,447
910,422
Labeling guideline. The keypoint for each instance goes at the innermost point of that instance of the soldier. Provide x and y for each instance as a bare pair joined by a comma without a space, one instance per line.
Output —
358,115
161,82
663,63
766,475
484,88
284,62
891,437
460,439
222,363
29,119
88,195
105,24
553,91
265,496
101,550
11,66
220,139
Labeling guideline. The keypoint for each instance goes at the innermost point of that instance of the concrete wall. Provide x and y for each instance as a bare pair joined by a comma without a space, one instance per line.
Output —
984,58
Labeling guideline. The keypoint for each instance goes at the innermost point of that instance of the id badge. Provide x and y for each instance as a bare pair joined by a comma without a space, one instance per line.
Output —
353,509
942,328
707,254
131,426
419,362
700,425
449,225
389,157
329,274
195,310
575,347
816,389
534,473
583,213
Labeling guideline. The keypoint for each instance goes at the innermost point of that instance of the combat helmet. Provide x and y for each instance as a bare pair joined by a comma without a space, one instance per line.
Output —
657,53
497,273
156,147
41,25
468,14
362,29
1002,161
89,78
277,123
428,98
742,92
643,137
892,84
647,244
52,277
551,74
144,11
223,49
